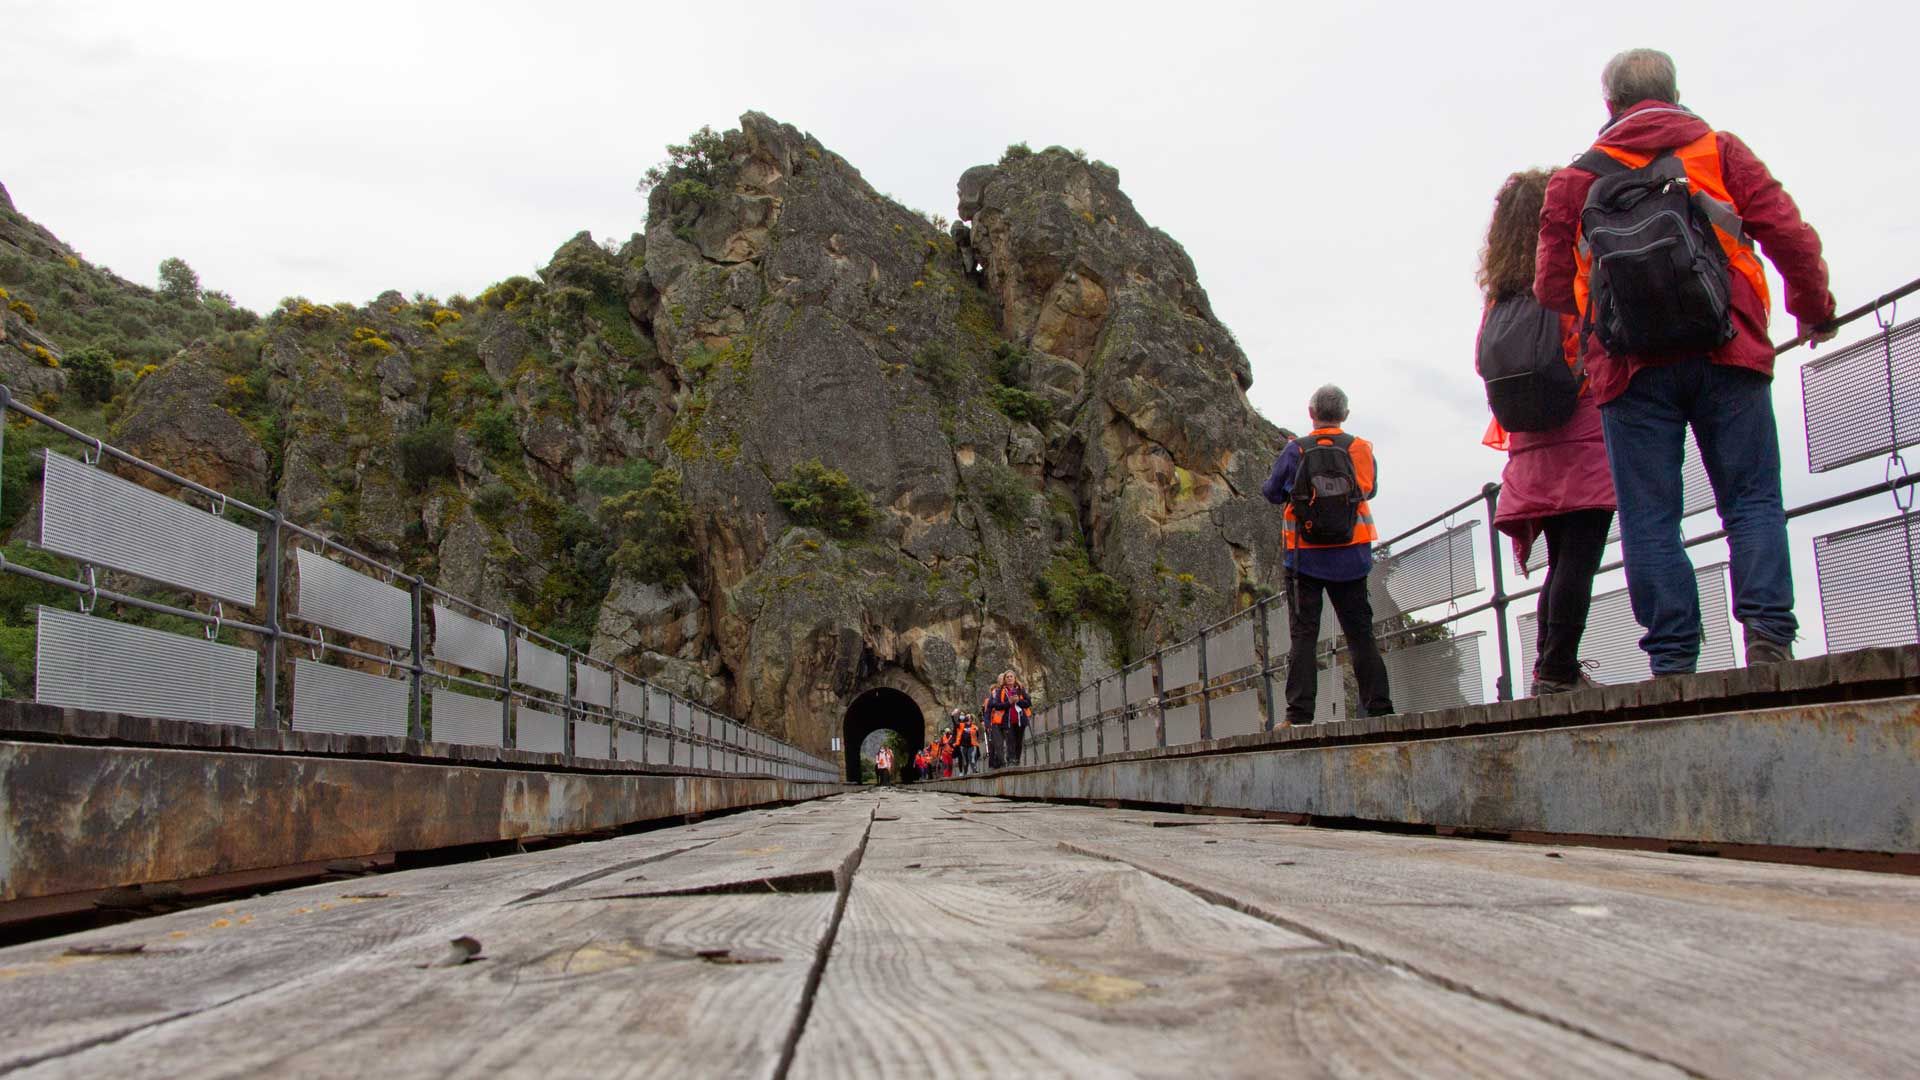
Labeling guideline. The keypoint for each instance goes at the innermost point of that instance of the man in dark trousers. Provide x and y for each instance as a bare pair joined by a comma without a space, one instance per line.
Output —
1327,534
1724,392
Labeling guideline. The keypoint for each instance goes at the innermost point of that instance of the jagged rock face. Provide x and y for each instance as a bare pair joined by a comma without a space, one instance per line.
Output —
1040,406
1165,451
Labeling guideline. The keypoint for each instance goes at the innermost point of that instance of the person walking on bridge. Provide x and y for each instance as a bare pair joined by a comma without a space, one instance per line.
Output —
1324,479
1006,707
1556,482
883,764
969,738
1649,237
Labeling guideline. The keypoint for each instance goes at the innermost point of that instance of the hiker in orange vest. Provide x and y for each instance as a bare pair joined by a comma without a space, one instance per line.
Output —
969,743
1324,479
1006,707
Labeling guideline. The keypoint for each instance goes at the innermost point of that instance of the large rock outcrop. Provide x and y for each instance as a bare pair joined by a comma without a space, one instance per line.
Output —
1041,412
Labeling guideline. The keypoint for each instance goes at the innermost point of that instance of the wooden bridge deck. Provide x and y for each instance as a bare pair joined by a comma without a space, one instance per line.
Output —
897,933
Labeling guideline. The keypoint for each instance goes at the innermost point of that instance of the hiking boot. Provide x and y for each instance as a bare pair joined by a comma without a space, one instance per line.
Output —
1765,650
1542,685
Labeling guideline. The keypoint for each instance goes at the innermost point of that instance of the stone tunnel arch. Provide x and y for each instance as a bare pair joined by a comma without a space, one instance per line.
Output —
883,708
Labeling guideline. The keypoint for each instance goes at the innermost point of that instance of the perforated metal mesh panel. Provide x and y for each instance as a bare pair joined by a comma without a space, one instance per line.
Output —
659,702
1236,714
468,643
539,731
1430,572
631,744
1140,729
1179,666
92,515
347,702
1110,736
1183,725
1869,582
1139,684
630,698
592,685
465,719
537,666
343,599
1088,709
1231,647
1612,639
590,739
656,750
1330,702
1849,415
1436,674
85,662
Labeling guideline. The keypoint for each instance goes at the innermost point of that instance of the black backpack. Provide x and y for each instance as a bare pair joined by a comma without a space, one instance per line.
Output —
1659,283
1326,491
1521,357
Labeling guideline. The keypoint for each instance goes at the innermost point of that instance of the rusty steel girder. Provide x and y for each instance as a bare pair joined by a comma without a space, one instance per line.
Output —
1842,776
75,818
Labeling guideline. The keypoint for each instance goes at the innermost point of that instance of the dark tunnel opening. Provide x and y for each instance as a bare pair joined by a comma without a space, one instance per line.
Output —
883,708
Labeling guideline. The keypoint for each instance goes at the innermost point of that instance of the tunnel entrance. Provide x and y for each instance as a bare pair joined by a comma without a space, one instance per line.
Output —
883,708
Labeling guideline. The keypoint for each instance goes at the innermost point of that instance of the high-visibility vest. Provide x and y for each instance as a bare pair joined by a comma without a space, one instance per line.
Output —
1363,470
1701,159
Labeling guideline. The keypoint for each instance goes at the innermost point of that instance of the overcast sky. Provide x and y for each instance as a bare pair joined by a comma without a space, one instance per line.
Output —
1330,172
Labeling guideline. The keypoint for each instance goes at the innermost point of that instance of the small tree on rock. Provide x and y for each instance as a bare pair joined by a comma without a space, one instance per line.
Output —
178,281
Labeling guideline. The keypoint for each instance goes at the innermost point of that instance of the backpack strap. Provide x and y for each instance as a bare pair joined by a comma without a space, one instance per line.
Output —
1600,163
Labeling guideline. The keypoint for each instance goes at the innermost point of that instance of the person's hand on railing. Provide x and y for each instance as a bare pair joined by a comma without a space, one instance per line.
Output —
1815,333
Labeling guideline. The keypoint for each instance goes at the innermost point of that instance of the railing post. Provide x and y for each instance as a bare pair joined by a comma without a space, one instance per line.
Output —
1263,652
270,676
506,687
417,722
1206,701
1126,718
1100,732
1159,700
672,732
1503,687
566,704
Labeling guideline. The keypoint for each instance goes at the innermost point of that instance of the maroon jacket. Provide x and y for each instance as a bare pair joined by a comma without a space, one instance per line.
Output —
1769,215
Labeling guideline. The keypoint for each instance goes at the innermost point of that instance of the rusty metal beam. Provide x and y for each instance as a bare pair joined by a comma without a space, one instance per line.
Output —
81,817
1842,775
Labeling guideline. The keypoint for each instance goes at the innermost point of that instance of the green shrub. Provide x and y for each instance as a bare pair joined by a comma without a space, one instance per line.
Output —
1023,405
651,527
1003,494
90,373
695,168
825,499
495,501
426,453
940,366
495,433
1070,588
1016,152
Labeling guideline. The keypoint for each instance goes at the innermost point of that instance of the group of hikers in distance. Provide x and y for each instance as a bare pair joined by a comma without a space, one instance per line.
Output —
1005,714
1624,304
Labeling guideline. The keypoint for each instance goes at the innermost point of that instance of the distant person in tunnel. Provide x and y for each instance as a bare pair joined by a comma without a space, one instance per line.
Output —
1324,480
883,764
1556,483
1006,708
1649,237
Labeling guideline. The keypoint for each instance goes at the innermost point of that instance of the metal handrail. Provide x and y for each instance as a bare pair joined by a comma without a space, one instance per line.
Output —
775,751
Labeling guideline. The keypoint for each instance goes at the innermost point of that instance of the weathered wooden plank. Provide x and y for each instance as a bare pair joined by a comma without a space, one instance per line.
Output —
967,950
193,961
1709,964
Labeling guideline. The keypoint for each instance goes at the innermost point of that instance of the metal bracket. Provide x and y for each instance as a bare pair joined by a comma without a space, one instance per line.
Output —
99,452
91,598
319,647
219,617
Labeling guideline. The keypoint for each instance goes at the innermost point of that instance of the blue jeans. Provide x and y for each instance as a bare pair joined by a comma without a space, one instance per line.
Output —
1731,410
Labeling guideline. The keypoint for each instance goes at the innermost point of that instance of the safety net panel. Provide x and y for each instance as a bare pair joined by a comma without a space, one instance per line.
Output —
1869,583
1611,645
1863,400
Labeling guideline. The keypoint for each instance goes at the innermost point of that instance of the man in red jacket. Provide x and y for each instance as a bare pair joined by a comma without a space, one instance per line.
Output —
1647,403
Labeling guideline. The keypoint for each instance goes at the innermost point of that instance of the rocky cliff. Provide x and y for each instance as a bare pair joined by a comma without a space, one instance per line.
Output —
792,442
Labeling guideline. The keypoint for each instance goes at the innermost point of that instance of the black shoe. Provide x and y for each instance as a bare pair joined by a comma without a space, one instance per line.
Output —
1765,650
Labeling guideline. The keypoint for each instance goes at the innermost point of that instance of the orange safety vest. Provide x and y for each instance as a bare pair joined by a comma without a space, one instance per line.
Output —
1701,159
1363,471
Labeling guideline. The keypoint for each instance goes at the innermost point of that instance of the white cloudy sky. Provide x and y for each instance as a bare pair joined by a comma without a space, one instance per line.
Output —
1330,171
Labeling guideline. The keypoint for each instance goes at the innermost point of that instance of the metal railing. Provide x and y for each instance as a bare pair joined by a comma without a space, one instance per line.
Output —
1223,680
405,659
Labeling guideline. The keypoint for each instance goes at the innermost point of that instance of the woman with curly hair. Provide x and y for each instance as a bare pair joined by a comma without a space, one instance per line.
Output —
1556,482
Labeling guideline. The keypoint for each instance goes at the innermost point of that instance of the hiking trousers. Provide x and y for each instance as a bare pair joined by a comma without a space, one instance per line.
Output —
1575,542
1354,610
1731,412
